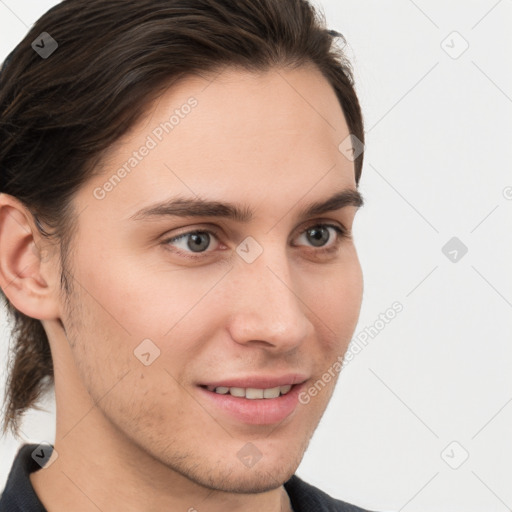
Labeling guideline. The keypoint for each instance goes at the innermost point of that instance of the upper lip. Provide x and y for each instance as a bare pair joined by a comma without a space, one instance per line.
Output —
259,381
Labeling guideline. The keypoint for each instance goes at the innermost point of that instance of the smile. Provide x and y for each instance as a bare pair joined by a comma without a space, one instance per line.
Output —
253,406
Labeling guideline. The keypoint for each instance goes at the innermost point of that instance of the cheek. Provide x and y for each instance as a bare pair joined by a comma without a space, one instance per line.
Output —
150,297
335,299
126,310
345,300
127,390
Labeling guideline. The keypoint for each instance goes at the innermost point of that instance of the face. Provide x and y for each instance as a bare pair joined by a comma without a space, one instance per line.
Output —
171,301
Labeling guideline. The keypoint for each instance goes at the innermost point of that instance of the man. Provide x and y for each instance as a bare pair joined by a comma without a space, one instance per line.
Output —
179,183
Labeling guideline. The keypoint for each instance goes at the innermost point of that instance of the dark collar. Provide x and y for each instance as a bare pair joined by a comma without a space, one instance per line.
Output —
19,495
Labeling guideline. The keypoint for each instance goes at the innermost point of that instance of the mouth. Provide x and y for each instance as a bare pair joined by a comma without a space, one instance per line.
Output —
255,401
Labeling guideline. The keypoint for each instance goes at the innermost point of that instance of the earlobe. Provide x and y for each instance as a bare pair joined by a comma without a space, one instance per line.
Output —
24,279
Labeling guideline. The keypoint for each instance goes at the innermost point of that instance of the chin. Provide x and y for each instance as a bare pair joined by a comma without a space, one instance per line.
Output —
230,475
250,480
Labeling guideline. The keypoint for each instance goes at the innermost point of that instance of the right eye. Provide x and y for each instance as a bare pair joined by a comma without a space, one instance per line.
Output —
191,242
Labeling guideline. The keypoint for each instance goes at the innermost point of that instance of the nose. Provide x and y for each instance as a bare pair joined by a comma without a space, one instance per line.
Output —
267,309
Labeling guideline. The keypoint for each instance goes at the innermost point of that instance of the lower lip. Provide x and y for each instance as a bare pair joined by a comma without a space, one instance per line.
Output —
260,411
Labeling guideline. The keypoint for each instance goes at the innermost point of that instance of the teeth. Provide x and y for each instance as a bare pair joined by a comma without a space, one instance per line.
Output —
252,393
237,392
285,389
272,392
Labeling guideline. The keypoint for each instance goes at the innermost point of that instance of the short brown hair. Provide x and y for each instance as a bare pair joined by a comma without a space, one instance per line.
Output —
58,115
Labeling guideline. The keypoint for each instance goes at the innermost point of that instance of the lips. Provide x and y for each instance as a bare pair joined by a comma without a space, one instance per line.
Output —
253,408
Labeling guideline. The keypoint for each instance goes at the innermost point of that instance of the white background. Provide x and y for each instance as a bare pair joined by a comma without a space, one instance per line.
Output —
437,166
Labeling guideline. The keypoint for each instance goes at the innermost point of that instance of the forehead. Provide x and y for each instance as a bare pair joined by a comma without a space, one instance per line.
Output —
238,135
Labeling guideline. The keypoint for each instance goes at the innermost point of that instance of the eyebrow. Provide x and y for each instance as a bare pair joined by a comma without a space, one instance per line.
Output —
199,207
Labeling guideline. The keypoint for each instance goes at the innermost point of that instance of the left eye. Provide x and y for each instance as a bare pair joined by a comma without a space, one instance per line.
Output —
198,241
319,234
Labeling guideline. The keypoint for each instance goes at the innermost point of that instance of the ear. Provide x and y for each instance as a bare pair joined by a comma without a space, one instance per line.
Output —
28,279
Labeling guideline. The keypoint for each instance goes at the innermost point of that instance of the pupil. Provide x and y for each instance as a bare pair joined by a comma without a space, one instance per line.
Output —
195,242
319,236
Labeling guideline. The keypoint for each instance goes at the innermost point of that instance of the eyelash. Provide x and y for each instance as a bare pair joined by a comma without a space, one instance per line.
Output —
343,234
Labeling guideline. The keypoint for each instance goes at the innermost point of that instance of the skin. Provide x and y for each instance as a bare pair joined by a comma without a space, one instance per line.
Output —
142,438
